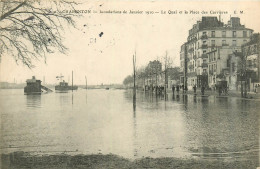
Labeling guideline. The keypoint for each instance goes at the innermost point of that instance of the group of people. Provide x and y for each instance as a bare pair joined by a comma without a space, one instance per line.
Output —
185,89
178,88
157,89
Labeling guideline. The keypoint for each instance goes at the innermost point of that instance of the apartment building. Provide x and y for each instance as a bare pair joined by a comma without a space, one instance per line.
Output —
208,46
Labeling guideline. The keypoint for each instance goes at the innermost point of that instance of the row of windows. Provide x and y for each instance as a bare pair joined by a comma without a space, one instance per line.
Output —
223,34
212,68
212,57
213,43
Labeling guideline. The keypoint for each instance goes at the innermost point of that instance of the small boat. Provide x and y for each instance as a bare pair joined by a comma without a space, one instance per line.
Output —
63,86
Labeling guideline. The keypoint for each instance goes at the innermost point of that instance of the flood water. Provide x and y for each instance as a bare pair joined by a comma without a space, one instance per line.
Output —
104,121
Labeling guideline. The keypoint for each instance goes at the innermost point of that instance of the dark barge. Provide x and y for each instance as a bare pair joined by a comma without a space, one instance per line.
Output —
34,86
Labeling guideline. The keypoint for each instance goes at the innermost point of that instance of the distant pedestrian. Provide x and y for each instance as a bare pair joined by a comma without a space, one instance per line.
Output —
178,89
156,90
202,90
194,89
173,89
219,90
186,89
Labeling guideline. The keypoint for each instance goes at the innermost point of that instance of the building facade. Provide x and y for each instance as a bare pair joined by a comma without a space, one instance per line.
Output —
250,53
208,46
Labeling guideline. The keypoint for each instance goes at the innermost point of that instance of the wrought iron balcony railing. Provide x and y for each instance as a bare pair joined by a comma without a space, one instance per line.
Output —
204,46
204,37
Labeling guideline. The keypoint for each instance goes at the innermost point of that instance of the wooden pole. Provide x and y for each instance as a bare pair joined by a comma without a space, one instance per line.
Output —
134,88
86,82
72,82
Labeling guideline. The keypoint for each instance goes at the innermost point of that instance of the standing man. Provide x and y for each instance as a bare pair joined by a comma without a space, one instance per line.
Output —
186,89
173,89
194,89
202,90
178,89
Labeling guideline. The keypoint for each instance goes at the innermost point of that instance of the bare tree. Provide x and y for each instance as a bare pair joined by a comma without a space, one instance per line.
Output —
30,29
167,64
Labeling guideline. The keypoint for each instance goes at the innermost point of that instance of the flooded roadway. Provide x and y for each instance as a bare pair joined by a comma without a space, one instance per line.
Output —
103,121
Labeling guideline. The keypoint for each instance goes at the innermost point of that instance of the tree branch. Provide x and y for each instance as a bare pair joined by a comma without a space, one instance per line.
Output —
12,10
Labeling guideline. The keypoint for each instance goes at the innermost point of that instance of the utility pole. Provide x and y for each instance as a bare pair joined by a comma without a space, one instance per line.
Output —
185,67
258,59
72,81
86,82
134,88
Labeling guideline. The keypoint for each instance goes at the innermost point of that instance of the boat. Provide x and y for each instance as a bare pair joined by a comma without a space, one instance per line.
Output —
33,86
64,86
107,88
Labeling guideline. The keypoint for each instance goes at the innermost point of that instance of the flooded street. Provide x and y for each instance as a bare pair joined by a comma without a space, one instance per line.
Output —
103,121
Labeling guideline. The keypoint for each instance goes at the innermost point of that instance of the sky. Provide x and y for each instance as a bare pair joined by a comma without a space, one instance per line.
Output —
108,59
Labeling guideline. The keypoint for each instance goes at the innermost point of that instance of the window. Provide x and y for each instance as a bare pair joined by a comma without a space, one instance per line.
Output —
213,34
204,42
223,33
204,51
204,33
244,34
234,34
214,54
234,43
223,42
244,41
212,43
233,67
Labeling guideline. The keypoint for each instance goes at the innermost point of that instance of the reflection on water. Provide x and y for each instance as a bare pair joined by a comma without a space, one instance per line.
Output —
33,101
106,121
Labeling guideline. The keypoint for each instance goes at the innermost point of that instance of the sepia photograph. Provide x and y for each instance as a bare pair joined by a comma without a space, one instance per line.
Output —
129,84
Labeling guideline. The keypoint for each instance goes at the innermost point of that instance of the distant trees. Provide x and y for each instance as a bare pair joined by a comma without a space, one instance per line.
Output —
30,29
154,73
128,80
175,73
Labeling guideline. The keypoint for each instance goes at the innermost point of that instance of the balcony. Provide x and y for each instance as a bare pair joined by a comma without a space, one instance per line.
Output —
191,50
213,46
192,40
225,44
204,56
204,37
204,46
191,67
204,65
211,72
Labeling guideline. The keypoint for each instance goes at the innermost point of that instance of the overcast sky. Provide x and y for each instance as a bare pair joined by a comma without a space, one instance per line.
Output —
109,58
